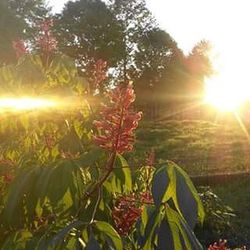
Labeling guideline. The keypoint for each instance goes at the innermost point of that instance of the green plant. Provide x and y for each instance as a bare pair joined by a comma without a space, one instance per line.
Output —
70,183
218,220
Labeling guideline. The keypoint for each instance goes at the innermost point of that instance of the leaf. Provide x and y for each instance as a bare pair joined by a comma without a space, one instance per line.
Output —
181,232
18,188
17,240
160,185
146,226
43,181
107,229
64,232
121,180
92,244
185,185
170,182
70,143
165,237
187,202
89,159
33,73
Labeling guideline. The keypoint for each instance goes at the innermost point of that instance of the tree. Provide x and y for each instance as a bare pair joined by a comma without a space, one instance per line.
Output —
88,31
18,21
136,20
199,66
11,27
160,73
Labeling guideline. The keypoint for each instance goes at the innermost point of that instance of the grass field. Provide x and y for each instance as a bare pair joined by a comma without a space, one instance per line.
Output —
200,147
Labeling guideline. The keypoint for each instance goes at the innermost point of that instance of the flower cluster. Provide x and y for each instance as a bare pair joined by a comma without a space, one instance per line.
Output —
127,211
46,41
221,245
19,47
118,121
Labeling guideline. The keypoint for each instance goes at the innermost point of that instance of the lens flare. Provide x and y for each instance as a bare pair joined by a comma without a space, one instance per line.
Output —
24,103
228,89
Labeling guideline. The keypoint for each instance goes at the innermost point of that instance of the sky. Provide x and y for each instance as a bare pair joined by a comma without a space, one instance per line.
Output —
223,22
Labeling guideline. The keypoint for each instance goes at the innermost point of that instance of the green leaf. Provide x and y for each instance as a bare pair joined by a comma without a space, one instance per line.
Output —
165,237
171,182
184,184
92,244
71,143
89,159
160,184
107,229
146,226
17,240
18,188
121,180
64,232
181,232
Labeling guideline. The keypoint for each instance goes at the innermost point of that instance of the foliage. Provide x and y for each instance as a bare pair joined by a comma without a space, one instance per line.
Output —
199,66
218,219
136,20
60,191
88,31
19,19
126,35
159,66
11,28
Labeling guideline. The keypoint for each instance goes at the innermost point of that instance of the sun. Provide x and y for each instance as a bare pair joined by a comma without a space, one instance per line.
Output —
228,89
223,96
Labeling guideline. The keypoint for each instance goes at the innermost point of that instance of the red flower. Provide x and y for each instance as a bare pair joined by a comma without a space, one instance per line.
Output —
221,245
119,121
127,210
19,47
46,41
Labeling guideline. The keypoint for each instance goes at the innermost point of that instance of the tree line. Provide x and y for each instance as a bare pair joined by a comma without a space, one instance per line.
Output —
124,34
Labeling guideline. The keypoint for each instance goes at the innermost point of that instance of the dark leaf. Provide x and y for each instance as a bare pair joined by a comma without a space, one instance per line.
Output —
108,230
160,186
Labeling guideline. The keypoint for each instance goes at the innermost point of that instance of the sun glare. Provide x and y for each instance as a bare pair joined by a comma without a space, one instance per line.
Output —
229,88
24,103
225,97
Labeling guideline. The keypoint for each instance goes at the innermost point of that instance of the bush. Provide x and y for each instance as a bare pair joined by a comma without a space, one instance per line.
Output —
65,183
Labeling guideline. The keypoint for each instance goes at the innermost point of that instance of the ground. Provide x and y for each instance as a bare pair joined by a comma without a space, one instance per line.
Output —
200,147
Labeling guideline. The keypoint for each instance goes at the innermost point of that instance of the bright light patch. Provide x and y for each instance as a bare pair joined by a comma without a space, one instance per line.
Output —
24,103
229,89
223,96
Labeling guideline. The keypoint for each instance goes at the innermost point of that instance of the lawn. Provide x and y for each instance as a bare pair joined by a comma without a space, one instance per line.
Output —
200,147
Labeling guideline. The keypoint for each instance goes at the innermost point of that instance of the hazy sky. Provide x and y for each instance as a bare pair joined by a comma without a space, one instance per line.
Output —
224,22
